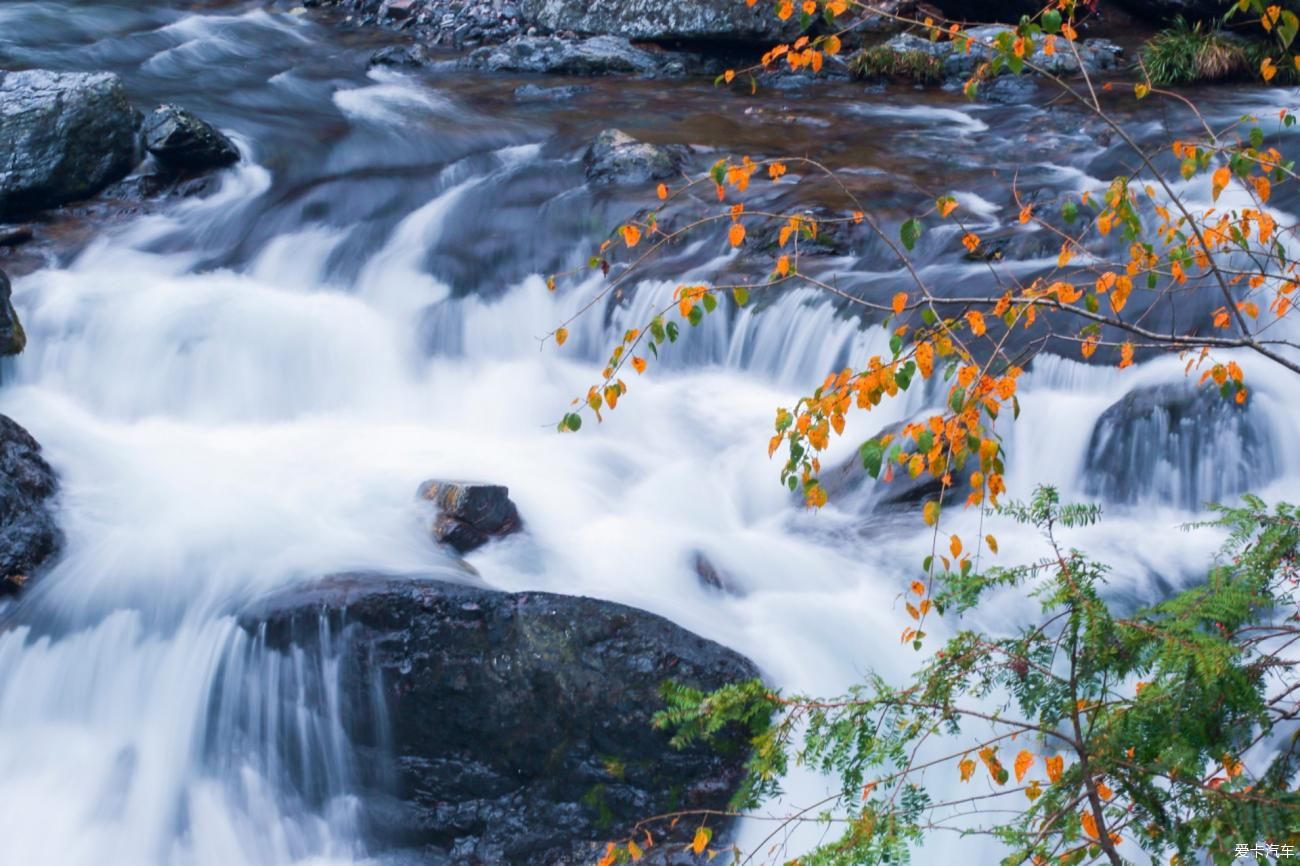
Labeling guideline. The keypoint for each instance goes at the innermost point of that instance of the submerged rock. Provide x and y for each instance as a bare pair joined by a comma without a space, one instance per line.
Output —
412,55
615,157
29,536
551,55
518,723
559,93
469,513
183,142
12,337
63,136
1180,446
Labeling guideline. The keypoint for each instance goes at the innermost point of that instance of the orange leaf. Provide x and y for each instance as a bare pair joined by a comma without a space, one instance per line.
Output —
783,265
954,544
662,191
1220,180
1055,766
1089,825
947,205
900,302
631,235
1126,355
701,840
775,170
970,241
1026,213
1024,760
918,587
729,75
634,851
976,320
966,767
638,364
561,334
736,235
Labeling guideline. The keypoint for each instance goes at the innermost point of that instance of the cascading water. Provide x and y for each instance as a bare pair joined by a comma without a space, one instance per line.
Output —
244,390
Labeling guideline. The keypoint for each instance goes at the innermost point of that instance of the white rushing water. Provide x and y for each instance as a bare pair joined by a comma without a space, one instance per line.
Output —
219,432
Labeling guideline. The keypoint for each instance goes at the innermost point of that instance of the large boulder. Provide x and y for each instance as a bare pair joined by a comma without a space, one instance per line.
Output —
615,157
655,20
12,337
551,55
1178,445
469,513
29,536
510,727
185,143
63,136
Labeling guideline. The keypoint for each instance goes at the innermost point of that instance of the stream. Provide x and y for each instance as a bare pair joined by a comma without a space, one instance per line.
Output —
243,390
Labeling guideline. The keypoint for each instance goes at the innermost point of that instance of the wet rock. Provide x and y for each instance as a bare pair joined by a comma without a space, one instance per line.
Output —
615,157
711,577
14,236
654,20
12,337
185,143
1178,445
519,724
1098,55
63,136
850,486
29,536
552,55
536,93
412,55
470,514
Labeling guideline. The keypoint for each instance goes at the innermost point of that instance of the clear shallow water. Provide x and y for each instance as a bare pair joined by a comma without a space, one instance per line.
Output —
245,390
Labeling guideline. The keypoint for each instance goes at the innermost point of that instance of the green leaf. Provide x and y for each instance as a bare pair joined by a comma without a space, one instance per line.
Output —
572,421
1070,212
908,234
1288,27
928,316
895,345
1256,137
673,332
872,456
741,295
710,302
1052,21
926,442
696,315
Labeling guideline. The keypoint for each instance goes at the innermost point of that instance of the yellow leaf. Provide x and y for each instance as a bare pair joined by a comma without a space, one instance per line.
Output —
991,542
930,513
736,235
1220,180
954,544
1055,766
701,840
1267,69
967,769
947,205
912,611
638,364
631,235
832,45
1034,791
1141,90
550,284
1024,761
1066,254
561,334
634,851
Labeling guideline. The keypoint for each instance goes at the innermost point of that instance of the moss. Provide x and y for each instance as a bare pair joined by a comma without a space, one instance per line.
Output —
881,61
1189,54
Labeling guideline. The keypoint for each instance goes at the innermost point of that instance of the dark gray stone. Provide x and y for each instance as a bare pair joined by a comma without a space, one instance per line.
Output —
412,55
519,724
64,136
12,337
537,93
655,20
1178,445
615,157
29,536
469,514
183,142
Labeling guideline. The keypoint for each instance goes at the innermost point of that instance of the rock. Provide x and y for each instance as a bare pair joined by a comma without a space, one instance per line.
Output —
615,157
470,514
711,578
29,536
12,337
518,724
1178,445
849,485
654,20
64,136
552,55
1098,55
184,143
15,236
537,93
412,55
